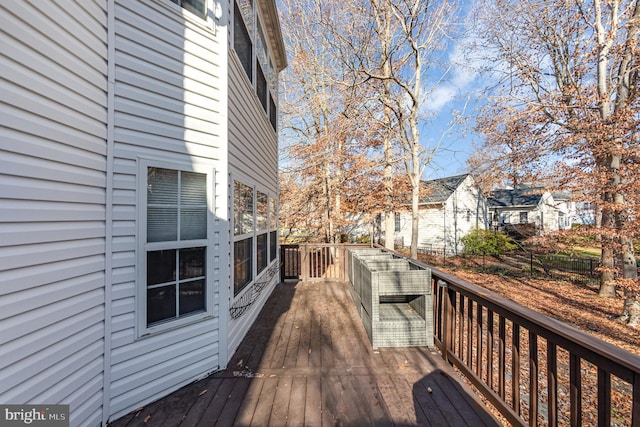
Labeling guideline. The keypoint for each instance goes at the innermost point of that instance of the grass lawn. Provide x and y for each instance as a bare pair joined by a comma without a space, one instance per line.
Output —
584,251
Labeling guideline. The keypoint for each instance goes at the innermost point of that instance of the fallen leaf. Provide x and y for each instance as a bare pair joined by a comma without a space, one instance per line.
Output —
147,418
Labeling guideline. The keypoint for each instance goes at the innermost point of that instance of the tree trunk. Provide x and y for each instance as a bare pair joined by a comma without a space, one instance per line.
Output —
389,230
415,199
607,261
632,306
388,217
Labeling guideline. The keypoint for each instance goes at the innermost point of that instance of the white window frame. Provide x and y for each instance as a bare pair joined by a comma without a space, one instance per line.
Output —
272,226
241,237
255,274
143,330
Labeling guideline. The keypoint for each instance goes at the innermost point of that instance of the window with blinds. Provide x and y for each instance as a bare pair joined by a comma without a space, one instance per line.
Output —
176,251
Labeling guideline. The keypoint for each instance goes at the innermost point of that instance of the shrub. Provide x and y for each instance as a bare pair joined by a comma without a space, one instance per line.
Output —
487,242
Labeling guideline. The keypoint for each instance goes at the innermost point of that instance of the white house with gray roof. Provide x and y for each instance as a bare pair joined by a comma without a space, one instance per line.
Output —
449,209
531,207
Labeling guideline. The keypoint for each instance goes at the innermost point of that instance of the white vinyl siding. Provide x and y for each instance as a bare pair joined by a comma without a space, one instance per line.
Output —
52,192
253,160
170,106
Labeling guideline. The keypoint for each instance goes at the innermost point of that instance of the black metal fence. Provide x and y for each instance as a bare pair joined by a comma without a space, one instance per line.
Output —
557,267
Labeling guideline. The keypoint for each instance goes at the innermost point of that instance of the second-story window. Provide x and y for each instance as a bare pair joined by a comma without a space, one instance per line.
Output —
242,43
250,45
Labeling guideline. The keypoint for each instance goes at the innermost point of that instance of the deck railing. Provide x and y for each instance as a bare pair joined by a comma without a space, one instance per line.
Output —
535,370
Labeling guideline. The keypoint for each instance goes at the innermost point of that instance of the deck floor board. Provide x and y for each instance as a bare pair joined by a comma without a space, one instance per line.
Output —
307,361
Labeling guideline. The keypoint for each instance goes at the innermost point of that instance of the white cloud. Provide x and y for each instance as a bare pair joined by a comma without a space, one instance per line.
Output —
461,79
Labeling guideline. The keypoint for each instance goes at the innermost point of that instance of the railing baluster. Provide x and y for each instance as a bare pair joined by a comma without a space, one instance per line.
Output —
451,319
460,319
552,384
470,332
604,398
502,331
490,349
479,328
635,410
575,390
515,368
533,379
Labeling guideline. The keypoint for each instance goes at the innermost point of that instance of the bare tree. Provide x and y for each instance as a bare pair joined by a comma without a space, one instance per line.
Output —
327,153
407,40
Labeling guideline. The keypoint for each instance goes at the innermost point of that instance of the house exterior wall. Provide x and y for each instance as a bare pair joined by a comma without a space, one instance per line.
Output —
253,160
548,214
170,106
92,93
53,163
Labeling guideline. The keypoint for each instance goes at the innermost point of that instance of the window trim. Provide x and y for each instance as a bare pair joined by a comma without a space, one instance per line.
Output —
142,329
255,274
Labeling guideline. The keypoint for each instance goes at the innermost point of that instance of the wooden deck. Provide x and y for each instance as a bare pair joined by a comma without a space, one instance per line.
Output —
308,362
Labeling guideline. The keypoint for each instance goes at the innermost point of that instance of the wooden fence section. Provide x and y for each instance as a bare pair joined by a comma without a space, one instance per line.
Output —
533,369
315,262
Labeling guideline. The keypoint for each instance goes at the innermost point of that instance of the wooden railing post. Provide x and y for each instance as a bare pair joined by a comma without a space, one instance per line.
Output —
304,262
447,320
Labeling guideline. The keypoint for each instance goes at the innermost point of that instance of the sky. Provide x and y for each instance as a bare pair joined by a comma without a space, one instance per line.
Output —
459,92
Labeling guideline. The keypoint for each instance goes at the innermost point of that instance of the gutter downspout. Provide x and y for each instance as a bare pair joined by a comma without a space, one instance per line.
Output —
108,308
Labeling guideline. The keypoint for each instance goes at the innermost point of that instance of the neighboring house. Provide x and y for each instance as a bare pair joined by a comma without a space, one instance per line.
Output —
572,212
138,188
449,209
529,211
567,210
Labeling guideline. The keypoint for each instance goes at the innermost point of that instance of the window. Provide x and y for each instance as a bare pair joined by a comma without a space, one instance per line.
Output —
255,234
273,113
243,236
242,43
197,7
174,272
261,88
250,45
524,217
397,222
273,226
